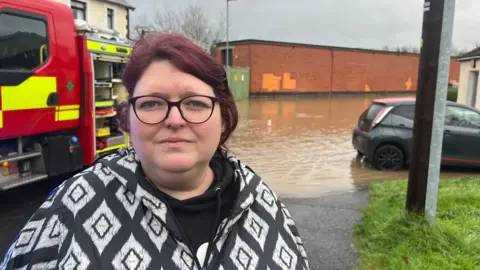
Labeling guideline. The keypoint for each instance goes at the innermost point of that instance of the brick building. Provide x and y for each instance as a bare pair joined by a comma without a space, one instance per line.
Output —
280,67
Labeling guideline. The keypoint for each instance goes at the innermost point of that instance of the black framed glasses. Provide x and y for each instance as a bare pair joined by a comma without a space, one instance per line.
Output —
152,110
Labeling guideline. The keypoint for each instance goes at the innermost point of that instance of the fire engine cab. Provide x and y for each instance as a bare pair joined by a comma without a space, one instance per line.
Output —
59,84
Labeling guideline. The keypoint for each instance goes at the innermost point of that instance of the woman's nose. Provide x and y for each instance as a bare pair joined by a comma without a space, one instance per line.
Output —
174,118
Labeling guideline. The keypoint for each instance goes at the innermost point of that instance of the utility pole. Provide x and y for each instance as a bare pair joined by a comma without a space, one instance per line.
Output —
434,68
226,51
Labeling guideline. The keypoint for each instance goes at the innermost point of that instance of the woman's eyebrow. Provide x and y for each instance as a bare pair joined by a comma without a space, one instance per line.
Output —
166,95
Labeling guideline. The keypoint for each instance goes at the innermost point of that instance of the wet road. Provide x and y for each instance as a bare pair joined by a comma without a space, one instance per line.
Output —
306,152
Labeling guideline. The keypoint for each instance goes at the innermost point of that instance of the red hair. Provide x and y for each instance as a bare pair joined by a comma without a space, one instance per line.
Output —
187,57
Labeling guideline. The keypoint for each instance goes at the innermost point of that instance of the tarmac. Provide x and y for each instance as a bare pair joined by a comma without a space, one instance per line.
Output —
326,226
325,223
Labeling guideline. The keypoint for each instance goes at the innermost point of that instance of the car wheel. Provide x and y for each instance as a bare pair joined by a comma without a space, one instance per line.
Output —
389,158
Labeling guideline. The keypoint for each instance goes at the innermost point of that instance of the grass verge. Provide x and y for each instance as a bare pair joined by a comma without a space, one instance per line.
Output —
389,238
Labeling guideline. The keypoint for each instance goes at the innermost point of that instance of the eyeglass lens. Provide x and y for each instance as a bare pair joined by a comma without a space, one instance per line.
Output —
152,110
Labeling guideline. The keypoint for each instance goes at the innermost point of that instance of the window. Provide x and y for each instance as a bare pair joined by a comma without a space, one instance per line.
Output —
224,57
407,111
372,112
110,18
462,117
24,43
79,10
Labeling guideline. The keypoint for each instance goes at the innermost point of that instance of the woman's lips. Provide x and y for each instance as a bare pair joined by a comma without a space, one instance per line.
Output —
174,142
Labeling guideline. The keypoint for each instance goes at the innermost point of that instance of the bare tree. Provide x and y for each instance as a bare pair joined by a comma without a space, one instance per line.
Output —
476,44
416,50
191,21
402,49
457,51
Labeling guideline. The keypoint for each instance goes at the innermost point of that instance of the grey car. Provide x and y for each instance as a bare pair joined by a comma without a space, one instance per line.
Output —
384,134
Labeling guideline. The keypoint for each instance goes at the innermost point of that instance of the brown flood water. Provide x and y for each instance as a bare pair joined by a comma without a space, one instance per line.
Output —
307,150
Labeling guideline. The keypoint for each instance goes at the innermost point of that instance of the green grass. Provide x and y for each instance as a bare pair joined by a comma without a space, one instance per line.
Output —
390,238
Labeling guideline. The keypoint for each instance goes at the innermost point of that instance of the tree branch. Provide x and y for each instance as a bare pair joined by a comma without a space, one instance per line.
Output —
191,21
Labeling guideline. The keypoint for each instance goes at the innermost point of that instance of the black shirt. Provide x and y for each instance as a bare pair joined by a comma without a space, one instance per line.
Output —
196,216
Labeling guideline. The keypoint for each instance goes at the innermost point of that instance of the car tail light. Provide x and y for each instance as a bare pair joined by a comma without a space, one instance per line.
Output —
380,116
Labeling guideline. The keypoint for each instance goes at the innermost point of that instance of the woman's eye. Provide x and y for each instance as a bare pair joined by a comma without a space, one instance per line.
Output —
149,104
195,104
198,104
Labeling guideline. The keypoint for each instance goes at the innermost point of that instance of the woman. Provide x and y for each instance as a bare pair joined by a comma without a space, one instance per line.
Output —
177,199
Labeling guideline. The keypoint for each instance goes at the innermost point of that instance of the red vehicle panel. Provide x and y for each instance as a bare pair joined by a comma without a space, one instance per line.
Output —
36,101
48,88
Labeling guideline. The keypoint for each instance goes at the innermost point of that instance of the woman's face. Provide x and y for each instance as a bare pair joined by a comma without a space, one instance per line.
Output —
174,145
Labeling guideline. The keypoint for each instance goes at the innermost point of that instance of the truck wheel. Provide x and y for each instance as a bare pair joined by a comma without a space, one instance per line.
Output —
389,158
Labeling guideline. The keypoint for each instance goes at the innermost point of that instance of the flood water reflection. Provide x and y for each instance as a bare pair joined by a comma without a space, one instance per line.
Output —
307,150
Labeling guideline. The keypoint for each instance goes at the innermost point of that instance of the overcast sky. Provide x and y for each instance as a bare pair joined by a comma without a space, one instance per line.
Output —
346,23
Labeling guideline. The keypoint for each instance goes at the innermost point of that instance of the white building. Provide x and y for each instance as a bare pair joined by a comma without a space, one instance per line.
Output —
105,14
468,89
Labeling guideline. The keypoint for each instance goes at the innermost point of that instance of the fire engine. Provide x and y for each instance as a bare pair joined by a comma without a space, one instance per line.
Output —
59,84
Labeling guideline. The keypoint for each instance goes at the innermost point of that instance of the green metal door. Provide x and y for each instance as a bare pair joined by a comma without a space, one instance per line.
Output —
239,81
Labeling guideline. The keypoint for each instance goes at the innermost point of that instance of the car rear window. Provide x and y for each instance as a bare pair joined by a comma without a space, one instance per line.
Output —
374,109
407,111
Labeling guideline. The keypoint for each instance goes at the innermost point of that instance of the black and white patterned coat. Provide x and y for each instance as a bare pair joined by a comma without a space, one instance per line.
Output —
103,218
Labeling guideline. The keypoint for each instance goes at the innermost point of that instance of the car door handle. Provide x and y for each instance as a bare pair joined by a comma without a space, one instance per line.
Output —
447,132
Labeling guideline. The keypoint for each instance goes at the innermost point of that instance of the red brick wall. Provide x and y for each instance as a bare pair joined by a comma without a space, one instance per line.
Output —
240,54
357,71
454,70
311,69
275,68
